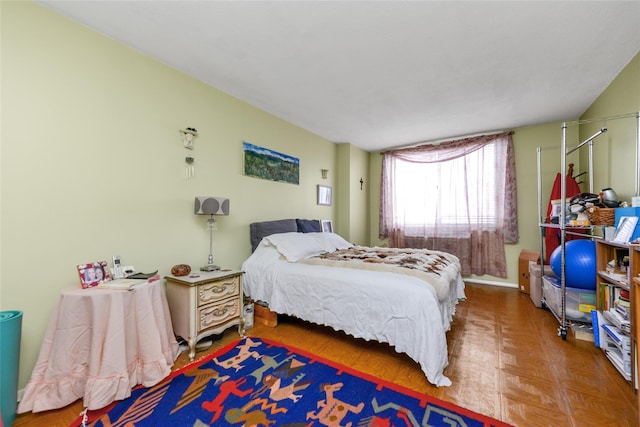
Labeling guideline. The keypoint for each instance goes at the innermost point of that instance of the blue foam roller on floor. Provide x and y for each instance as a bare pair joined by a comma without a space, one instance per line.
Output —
10,334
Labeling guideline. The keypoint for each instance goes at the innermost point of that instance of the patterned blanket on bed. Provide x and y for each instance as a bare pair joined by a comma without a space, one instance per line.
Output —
434,267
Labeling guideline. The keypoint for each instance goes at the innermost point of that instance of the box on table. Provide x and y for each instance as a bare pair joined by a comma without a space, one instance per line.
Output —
536,271
635,211
523,269
578,304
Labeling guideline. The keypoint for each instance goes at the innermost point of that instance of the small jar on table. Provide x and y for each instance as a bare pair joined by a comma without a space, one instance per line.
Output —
205,303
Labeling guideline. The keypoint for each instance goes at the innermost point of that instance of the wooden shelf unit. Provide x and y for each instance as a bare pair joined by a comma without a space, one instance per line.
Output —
635,311
605,252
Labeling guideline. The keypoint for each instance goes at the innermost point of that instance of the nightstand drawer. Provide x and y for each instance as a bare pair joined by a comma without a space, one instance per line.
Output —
217,291
218,313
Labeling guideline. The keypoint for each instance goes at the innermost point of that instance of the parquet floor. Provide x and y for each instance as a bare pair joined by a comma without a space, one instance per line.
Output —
506,361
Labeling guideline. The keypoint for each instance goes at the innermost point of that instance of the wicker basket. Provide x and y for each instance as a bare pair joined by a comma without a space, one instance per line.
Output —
602,216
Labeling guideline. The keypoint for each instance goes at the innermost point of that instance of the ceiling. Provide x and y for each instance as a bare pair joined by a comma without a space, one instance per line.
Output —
382,74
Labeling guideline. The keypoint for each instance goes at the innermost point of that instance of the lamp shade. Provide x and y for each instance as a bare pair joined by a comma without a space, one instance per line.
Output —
206,205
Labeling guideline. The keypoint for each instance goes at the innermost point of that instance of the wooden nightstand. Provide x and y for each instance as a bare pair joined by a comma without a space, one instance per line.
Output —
205,305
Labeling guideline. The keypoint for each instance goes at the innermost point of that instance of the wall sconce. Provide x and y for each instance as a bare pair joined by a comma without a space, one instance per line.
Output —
324,173
211,206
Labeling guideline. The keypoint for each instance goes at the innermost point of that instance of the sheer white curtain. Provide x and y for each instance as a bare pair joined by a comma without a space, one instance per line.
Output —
458,197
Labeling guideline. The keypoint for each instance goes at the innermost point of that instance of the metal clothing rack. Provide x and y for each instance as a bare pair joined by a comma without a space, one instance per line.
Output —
562,329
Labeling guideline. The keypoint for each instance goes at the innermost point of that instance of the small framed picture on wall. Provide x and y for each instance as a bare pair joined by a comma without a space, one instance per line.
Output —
324,195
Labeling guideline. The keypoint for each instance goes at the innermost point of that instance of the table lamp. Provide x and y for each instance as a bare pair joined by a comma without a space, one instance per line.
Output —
205,205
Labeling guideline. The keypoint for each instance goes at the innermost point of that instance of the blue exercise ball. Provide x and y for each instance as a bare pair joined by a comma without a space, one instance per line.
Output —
580,263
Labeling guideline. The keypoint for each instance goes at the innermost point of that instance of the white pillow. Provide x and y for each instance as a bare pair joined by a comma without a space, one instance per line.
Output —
330,241
295,246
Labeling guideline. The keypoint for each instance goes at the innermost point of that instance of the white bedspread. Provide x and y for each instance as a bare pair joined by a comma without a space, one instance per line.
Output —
387,307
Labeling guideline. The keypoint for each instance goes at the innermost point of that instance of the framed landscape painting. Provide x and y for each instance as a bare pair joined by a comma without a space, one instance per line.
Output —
260,162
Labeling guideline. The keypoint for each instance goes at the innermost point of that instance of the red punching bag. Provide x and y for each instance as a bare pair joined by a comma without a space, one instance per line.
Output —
552,236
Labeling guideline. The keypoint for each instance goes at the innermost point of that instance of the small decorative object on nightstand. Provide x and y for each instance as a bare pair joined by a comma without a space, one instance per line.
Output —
204,304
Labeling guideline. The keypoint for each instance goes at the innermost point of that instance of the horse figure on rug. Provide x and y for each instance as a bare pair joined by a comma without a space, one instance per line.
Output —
332,410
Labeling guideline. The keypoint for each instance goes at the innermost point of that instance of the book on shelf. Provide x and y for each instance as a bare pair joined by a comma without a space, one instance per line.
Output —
604,295
623,303
635,371
616,277
622,311
598,321
618,350
619,339
619,364
616,319
611,294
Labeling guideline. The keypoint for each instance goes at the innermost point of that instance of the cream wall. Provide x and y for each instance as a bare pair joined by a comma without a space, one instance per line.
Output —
614,152
92,164
353,165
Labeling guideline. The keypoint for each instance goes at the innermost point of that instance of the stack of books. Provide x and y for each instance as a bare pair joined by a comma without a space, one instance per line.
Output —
610,337
616,306
618,319
618,350
622,304
127,283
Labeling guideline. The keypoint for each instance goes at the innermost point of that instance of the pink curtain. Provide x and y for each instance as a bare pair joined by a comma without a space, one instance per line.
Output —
478,243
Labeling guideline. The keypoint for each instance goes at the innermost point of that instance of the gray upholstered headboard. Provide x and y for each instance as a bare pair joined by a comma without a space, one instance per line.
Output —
258,230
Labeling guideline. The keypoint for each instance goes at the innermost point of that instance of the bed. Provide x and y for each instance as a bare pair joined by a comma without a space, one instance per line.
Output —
321,278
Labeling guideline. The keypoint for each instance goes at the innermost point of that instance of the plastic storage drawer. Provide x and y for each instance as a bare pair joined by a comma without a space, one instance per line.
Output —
579,302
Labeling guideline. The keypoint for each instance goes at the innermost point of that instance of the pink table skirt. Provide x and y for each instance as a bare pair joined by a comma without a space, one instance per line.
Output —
99,344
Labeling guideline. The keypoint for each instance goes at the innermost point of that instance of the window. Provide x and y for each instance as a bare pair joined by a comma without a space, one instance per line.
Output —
457,197
431,193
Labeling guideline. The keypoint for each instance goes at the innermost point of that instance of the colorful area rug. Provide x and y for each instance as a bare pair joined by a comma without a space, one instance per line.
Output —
256,382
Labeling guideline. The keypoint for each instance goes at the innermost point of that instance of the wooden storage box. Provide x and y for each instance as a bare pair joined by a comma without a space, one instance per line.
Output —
523,269
264,316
